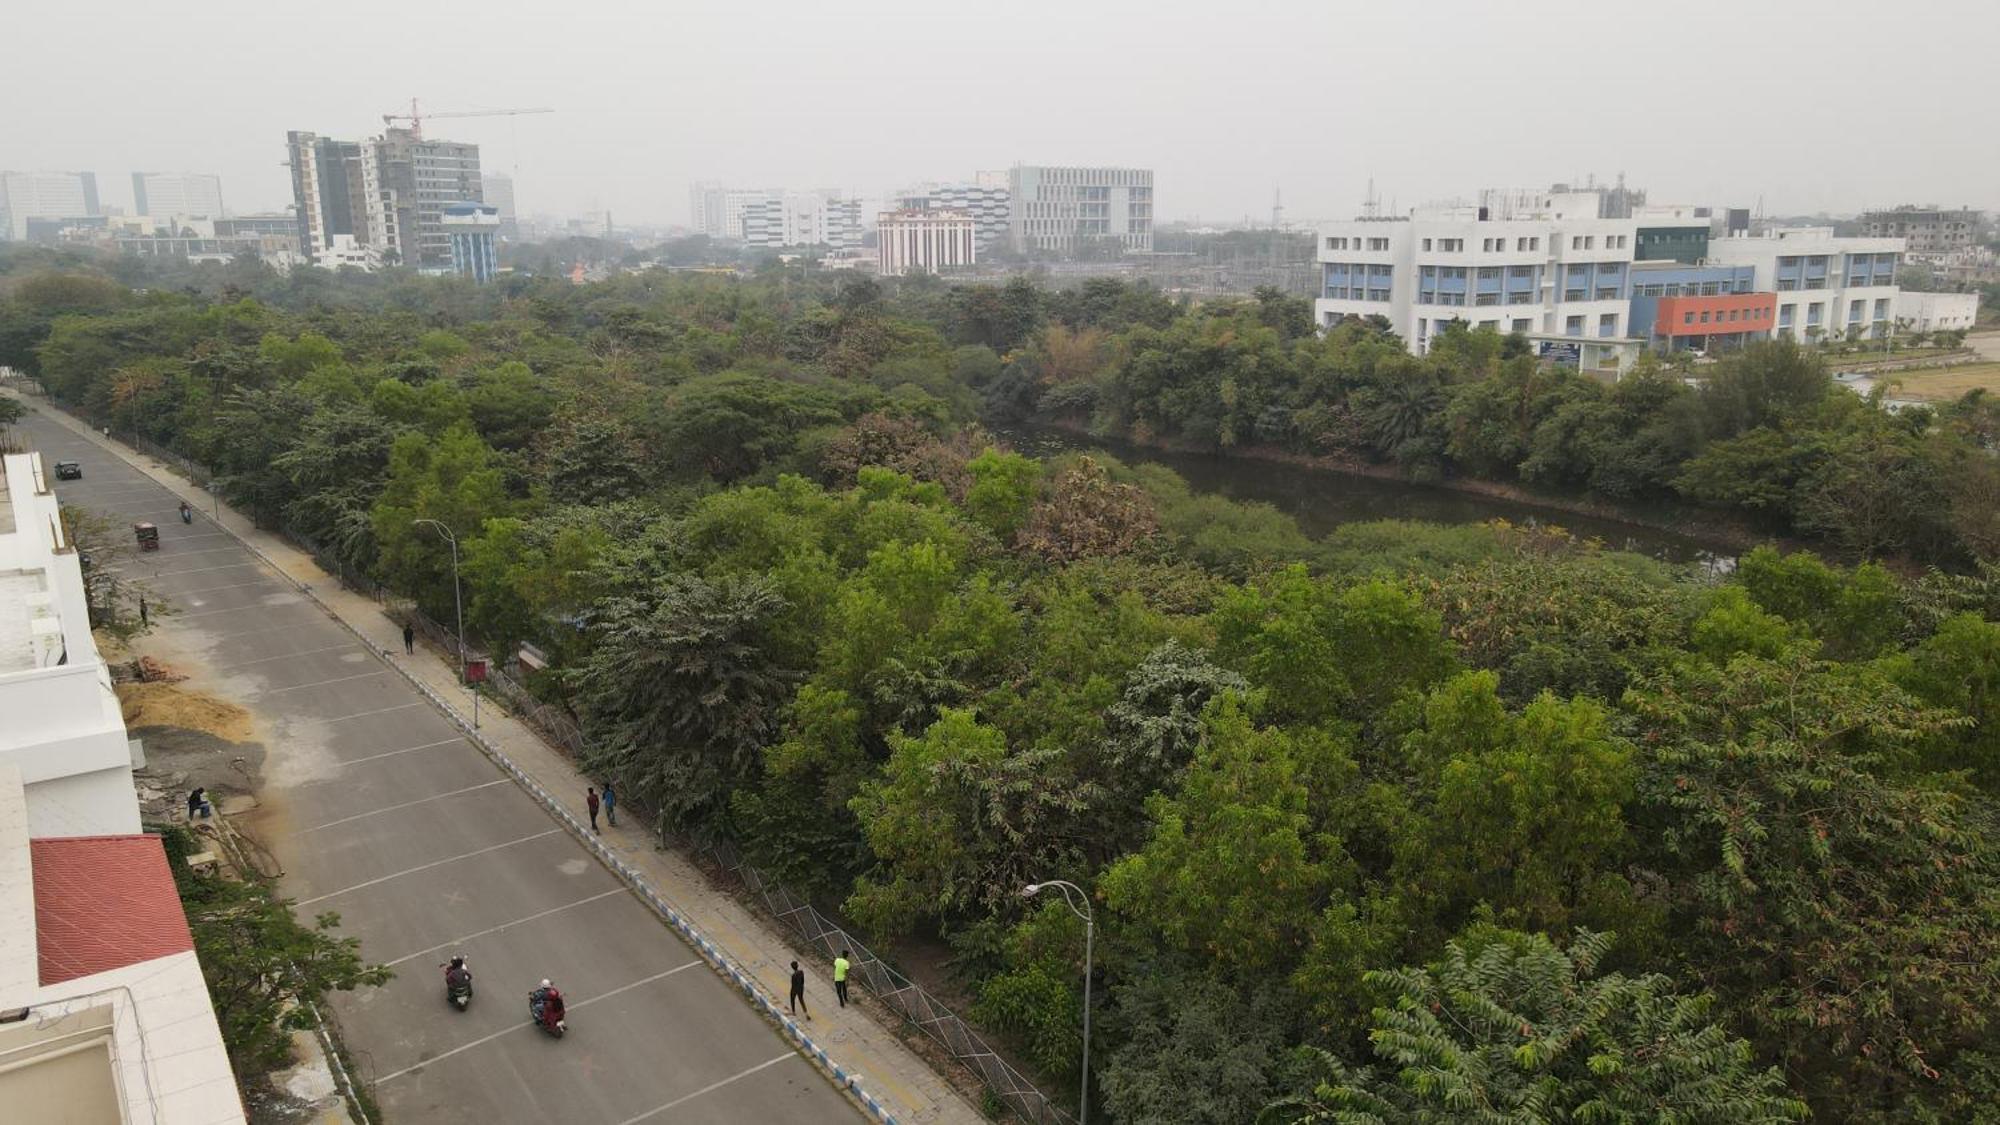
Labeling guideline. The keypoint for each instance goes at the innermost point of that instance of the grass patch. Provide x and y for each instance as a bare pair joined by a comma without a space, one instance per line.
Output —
1944,384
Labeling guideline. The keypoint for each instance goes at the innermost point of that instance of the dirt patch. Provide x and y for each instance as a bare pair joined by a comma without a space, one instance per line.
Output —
170,705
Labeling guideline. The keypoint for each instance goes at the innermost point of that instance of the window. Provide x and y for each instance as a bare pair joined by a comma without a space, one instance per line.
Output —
1607,292
1378,244
1423,327
1590,242
1489,273
1427,245
1815,312
1854,310
1687,318
1882,309
1785,315
1574,294
1521,324
1734,314
1704,316
1607,324
1573,326
1576,242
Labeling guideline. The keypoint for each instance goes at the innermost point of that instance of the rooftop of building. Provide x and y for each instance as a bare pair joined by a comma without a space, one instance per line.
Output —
102,903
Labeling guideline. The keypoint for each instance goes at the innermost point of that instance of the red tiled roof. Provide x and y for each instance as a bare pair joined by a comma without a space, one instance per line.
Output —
102,903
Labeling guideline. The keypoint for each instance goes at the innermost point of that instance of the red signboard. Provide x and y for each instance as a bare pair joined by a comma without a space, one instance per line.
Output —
475,671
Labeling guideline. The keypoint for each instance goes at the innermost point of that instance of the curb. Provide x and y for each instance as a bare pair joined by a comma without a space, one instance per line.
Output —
847,1080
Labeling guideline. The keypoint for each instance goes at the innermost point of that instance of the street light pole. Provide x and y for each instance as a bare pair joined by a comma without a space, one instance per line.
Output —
1072,894
458,600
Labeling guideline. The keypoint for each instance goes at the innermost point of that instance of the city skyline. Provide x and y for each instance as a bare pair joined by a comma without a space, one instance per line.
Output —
1310,100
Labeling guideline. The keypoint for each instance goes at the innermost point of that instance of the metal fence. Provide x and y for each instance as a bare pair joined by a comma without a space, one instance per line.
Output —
807,924
896,991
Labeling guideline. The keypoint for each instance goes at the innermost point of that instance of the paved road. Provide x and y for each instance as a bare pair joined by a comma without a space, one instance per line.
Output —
380,810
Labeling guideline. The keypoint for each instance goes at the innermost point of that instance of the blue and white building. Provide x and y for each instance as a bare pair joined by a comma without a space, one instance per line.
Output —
472,228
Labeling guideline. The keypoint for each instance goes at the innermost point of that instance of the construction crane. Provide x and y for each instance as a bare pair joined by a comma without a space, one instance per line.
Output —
416,116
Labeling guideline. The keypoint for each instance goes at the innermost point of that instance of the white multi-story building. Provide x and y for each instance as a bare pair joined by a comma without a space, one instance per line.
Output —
1062,209
801,218
471,229
63,728
1551,270
985,199
167,195
107,1016
916,241
44,195
1827,286
1549,265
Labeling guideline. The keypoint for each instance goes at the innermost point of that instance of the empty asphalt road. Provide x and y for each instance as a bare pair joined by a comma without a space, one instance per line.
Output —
379,810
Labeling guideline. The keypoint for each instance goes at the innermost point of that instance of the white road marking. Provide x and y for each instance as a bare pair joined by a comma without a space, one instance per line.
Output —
315,683
230,609
711,1087
524,1024
205,569
377,711
404,805
424,867
404,750
286,656
462,939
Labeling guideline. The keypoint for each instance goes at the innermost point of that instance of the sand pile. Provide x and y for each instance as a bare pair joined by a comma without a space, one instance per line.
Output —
169,705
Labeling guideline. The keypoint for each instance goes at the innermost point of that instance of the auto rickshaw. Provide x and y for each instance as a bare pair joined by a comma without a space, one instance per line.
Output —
149,536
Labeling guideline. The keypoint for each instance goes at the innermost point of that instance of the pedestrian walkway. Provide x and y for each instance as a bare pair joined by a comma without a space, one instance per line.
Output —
891,1072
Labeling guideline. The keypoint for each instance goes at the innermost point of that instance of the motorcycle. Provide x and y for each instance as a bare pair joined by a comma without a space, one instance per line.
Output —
545,1008
457,983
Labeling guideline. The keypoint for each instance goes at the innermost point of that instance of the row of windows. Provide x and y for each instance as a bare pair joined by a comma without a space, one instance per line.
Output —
1338,293
1607,325
1589,241
1734,315
1693,289
1337,243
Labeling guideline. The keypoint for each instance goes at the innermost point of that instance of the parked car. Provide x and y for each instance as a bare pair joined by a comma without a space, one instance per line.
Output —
69,470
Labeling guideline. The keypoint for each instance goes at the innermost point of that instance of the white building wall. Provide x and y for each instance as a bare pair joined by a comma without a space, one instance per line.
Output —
1936,312
64,730
925,241
1537,250
1839,290
44,195
164,195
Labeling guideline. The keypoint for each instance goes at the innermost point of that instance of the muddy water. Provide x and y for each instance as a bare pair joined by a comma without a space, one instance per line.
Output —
1323,499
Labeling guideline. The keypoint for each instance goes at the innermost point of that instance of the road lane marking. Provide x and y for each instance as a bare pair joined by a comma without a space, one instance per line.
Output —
285,656
228,609
377,711
405,805
424,867
260,581
524,1024
490,930
315,683
203,551
711,1087
404,750
204,569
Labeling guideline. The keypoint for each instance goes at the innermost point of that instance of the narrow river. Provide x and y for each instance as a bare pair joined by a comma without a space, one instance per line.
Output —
1323,499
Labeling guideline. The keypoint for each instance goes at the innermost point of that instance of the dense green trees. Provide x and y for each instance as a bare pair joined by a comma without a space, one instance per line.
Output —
1350,811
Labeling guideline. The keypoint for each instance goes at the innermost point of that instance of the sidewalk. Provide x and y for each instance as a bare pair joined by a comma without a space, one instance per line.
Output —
895,1075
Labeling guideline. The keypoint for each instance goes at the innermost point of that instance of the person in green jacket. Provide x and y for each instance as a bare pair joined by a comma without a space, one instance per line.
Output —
840,977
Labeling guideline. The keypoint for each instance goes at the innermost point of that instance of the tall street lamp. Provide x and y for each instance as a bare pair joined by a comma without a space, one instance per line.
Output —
458,600
1074,895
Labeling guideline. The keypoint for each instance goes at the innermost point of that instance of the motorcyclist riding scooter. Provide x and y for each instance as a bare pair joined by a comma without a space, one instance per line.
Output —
457,982
187,513
545,1007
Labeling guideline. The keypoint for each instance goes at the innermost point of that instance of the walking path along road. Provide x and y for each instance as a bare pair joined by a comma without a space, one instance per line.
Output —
380,808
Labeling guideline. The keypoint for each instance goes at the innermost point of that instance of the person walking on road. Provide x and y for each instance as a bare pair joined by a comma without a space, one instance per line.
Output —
840,977
590,799
798,997
610,804
143,623
409,639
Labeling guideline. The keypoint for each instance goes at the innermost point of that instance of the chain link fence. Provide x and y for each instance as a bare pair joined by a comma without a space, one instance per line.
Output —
818,933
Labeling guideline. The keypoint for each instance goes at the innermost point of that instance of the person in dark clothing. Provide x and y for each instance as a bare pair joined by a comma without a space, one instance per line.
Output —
590,799
610,805
798,998
142,612
198,803
409,639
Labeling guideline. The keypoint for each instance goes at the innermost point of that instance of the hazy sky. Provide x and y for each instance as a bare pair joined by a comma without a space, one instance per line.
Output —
1830,104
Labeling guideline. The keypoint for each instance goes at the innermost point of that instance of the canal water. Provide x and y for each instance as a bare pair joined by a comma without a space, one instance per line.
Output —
1323,499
